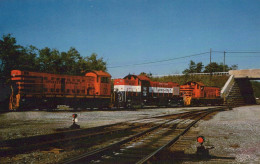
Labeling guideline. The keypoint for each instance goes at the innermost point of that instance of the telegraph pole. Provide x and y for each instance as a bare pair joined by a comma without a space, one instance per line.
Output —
224,66
210,57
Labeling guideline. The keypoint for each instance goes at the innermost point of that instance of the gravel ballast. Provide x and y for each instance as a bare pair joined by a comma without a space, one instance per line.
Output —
234,133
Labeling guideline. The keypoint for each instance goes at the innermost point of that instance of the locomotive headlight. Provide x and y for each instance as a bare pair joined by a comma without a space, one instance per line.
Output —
23,100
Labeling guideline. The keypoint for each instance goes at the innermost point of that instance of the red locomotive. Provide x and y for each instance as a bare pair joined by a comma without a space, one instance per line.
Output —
45,90
196,93
140,90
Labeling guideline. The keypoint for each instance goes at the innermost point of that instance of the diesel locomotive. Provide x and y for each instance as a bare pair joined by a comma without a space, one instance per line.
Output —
31,90
45,90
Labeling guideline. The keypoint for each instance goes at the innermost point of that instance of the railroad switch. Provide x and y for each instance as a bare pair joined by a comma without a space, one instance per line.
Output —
74,120
202,151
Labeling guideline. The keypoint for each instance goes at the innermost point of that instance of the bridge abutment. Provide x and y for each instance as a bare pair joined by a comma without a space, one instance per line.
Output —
240,93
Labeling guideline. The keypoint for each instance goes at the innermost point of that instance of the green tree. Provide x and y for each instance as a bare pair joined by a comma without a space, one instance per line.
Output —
146,74
93,63
199,67
13,56
215,67
193,68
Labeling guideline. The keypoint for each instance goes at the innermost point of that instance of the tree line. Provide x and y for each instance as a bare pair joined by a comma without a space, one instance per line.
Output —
14,56
212,67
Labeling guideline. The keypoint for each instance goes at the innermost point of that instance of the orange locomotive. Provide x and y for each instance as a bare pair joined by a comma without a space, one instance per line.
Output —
45,90
196,93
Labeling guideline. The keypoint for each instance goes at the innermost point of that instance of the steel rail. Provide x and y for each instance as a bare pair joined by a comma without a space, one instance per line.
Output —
148,157
100,151
43,141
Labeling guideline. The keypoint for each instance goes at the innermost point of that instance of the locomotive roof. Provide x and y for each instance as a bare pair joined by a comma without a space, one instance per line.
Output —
100,73
140,77
199,83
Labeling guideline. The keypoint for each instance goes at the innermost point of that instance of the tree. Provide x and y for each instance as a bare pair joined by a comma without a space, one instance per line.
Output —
13,56
199,67
93,63
215,67
193,68
146,74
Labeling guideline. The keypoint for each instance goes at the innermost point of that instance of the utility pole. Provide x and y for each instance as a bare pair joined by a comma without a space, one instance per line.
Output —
210,62
224,66
210,57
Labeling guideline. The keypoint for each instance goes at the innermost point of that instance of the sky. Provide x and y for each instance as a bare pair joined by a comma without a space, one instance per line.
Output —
126,33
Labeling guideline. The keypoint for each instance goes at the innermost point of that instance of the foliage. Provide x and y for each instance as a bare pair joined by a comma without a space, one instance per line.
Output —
256,88
146,74
13,56
218,81
194,68
215,67
212,67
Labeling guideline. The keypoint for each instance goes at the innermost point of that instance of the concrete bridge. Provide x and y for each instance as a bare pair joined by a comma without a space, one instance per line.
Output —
238,89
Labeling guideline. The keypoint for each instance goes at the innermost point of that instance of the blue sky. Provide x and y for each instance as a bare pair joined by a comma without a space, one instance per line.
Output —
126,32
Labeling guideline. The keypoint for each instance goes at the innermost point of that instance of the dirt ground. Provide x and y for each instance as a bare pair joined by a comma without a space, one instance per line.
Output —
234,133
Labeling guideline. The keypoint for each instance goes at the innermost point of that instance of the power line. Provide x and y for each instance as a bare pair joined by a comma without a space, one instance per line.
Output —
240,52
159,61
243,52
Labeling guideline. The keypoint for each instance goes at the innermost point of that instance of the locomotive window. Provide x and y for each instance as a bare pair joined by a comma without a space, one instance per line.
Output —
78,80
45,90
62,90
104,79
83,80
52,90
83,91
68,91
58,79
52,78
45,78
198,86
77,90
73,90
57,90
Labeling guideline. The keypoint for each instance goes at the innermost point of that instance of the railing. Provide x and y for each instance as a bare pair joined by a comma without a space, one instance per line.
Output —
225,90
213,73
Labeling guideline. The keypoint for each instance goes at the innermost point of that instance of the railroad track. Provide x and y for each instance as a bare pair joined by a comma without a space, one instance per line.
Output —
143,146
22,145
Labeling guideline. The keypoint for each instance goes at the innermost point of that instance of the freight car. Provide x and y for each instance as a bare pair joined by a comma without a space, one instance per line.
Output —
196,93
45,90
135,90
